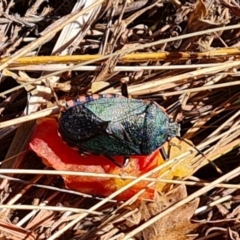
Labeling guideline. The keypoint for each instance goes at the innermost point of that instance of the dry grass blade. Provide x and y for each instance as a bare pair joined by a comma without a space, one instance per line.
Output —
128,58
14,232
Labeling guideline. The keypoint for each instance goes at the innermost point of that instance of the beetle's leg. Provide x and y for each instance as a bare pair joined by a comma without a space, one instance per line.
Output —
164,154
172,144
172,108
82,153
124,88
114,161
125,161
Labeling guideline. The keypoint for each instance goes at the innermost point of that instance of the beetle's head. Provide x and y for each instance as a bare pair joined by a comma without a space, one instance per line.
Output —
173,129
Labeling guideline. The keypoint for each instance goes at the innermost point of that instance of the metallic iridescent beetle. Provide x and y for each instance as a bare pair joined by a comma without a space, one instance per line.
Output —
114,125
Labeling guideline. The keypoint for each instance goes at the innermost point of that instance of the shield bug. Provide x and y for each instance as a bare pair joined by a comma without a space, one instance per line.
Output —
111,125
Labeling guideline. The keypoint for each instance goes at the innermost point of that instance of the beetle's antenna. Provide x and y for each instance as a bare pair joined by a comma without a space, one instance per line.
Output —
163,153
107,87
125,161
124,87
200,152
173,108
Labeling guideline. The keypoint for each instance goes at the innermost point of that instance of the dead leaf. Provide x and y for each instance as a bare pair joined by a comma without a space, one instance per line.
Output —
173,226
194,17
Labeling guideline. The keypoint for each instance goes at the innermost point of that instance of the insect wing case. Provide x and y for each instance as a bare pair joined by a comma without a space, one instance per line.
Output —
114,125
